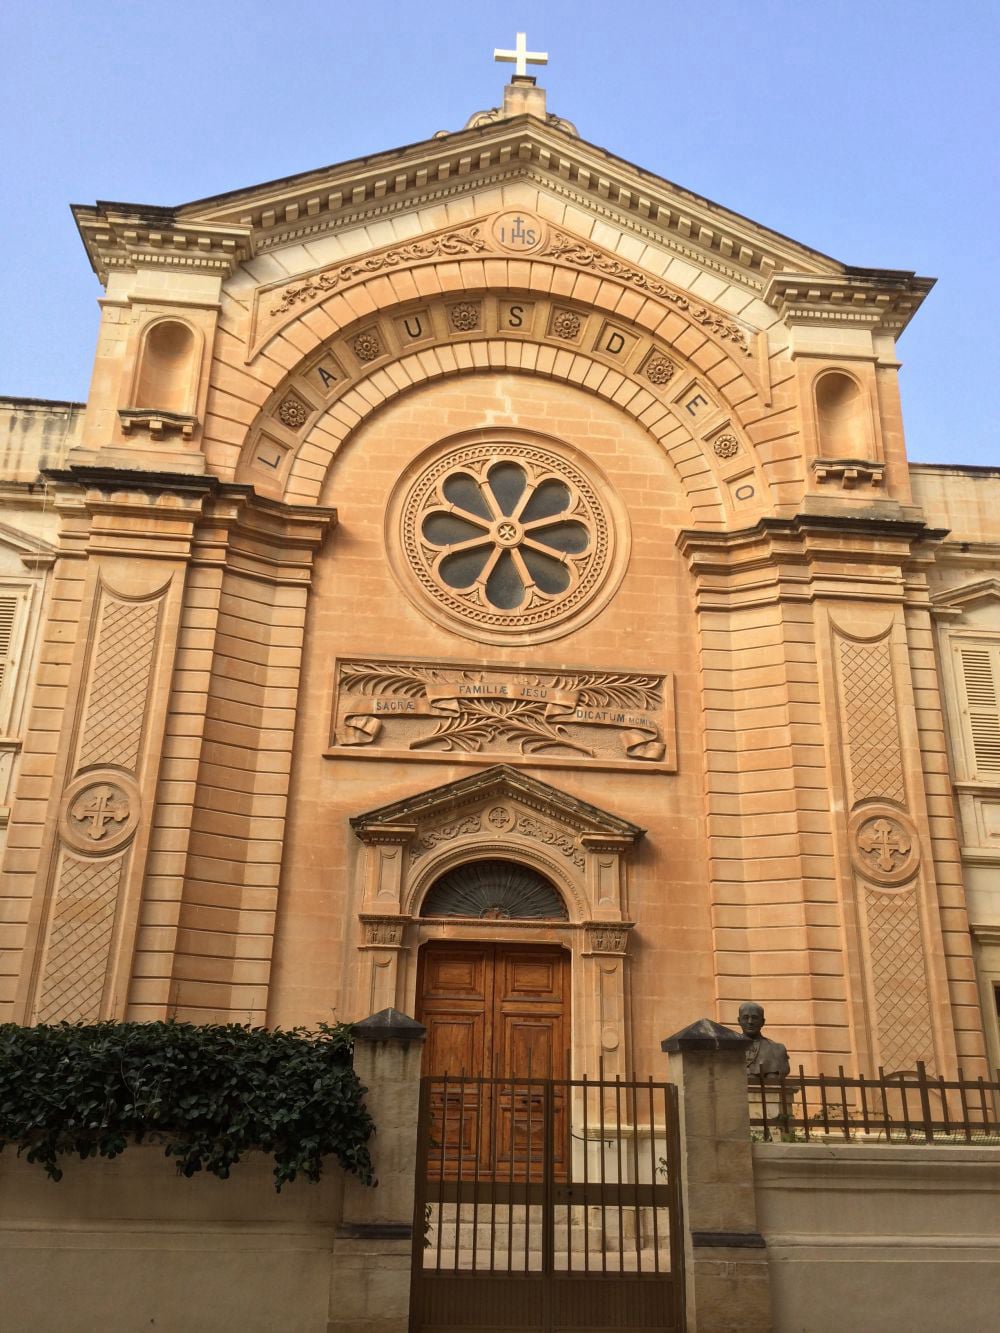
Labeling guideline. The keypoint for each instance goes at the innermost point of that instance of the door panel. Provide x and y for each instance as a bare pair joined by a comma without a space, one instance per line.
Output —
500,1010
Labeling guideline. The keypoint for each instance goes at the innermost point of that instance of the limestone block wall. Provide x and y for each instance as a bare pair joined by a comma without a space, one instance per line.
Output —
130,1244
888,1237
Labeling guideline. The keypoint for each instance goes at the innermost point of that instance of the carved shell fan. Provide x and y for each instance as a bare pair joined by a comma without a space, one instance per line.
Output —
494,890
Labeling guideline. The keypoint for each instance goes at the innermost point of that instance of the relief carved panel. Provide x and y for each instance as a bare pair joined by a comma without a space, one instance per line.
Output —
434,710
99,812
884,850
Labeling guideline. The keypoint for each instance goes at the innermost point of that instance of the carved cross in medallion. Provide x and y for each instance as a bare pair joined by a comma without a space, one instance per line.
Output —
884,841
98,809
521,57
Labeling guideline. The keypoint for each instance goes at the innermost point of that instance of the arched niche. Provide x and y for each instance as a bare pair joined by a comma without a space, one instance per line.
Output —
167,371
842,416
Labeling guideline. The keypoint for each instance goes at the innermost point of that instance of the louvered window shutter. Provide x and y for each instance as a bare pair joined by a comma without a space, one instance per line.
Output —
981,676
10,625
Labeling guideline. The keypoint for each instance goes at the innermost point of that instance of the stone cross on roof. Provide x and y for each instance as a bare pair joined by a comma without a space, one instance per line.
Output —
521,57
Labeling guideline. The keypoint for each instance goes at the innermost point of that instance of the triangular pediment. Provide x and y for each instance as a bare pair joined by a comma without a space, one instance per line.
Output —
34,552
962,597
506,150
225,230
499,783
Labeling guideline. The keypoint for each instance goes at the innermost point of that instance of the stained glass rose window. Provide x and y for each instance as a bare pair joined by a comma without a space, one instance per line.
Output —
507,535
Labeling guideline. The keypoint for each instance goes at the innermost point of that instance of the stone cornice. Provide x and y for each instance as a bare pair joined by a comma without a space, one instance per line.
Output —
951,603
131,236
804,558
199,518
881,300
501,780
285,211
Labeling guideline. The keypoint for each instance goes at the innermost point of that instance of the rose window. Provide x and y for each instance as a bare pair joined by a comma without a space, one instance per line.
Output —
508,535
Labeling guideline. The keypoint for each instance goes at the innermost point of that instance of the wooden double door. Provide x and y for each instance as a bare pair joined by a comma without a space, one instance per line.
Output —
500,1013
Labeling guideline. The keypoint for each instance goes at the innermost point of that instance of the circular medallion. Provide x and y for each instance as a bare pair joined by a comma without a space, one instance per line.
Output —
519,232
504,537
884,845
99,812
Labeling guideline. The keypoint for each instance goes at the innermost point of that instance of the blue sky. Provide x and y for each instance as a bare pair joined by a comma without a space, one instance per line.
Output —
866,130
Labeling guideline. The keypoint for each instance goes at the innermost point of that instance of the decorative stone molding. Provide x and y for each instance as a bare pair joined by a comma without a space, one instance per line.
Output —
368,346
466,316
608,939
494,235
119,237
884,845
884,849
158,424
878,299
658,369
383,932
293,412
461,241
566,324
850,472
445,833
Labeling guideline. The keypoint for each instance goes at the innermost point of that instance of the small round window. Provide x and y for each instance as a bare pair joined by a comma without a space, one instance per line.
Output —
508,536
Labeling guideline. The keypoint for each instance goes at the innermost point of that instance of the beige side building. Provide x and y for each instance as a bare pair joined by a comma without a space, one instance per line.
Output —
487,579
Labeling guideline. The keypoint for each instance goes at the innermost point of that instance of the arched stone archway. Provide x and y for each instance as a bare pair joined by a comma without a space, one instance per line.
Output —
504,813
350,339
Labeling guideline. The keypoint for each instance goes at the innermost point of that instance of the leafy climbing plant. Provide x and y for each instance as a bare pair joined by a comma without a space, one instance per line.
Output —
209,1094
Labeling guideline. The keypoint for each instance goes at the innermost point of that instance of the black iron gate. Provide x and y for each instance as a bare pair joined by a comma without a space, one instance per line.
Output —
547,1204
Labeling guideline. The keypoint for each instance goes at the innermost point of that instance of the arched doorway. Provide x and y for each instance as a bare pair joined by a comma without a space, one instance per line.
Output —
496,1008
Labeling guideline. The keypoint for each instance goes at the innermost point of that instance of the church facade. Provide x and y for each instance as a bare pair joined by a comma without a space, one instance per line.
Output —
486,579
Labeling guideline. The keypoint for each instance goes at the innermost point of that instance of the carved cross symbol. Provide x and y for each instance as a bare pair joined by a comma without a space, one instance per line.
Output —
884,842
507,532
521,57
99,809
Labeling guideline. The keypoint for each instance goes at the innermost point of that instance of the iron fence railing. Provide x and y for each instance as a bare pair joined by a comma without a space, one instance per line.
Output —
912,1106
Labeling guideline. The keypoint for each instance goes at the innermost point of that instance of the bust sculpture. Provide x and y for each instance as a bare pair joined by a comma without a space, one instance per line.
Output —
763,1055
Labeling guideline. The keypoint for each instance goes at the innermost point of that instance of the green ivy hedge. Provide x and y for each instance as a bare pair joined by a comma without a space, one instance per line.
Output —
209,1094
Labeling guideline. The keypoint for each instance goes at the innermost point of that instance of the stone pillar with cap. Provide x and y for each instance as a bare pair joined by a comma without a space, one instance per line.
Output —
727,1285
371,1289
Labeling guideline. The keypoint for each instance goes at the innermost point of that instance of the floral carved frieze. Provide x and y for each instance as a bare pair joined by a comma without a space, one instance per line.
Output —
446,711
496,236
571,251
450,244
494,819
455,828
